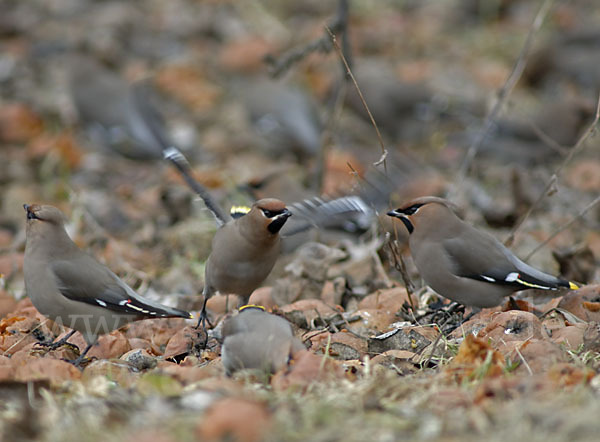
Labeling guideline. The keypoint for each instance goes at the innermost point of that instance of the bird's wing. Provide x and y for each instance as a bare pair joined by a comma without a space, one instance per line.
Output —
485,259
349,212
86,280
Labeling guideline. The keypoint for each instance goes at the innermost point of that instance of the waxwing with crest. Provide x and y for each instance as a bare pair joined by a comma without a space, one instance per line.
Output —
462,263
72,288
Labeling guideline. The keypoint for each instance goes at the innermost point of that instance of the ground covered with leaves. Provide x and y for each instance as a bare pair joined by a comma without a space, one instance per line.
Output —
386,358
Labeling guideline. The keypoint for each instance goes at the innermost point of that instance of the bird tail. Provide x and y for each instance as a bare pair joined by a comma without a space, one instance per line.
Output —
151,309
182,165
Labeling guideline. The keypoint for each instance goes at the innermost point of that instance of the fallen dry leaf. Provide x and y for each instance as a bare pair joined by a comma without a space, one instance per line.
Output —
19,123
55,371
514,325
475,359
582,303
186,341
305,369
235,419
189,85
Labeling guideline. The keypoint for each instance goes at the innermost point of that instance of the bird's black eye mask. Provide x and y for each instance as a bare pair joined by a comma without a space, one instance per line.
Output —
279,218
411,210
272,213
403,215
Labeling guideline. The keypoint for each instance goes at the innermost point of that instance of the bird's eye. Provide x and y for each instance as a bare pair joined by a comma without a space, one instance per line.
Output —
270,213
412,209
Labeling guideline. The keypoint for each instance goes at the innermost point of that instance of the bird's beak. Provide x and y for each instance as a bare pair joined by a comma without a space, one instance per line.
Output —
279,220
30,213
284,214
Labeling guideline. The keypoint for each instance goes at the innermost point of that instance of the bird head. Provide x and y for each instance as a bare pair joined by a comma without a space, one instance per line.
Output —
271,213
45,223
427,209
43,214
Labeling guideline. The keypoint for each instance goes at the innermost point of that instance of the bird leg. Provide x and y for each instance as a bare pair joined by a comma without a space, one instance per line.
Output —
81,358
54,345
203,319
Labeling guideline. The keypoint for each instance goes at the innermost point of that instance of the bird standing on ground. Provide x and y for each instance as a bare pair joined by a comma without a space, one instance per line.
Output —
123,117
255,339
72,288
462,263
244,250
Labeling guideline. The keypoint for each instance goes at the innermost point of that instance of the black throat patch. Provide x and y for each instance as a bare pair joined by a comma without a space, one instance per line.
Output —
276,225
408,224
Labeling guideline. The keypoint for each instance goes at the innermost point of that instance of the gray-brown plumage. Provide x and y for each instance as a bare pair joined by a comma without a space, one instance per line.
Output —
462,263
118,115
244,250
246,247
255,339
72,288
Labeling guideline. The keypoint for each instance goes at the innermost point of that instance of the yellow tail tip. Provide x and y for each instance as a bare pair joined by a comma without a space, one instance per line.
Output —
191,316
573,286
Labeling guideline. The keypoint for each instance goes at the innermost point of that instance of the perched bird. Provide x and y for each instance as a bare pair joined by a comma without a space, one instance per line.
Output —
284,115
403,110
244,250
568,58
72,288
123,117
544,135
248,242
462,263
118,115
255,339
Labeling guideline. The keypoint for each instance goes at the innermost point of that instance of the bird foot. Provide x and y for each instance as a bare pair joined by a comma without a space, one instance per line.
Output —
55,345
202,322
80,362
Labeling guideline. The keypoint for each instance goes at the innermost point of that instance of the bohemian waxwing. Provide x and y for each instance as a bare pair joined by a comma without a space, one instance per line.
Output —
462,263
255,339
283,114
123,117
72,288
248,243
118,115
244,250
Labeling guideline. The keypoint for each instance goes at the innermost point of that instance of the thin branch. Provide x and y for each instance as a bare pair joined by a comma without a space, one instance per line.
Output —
25,336
339,24
546,139
564,226
503,94
551,185
384,152
400,265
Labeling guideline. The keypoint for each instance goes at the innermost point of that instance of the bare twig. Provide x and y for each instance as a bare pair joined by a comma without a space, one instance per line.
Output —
335,110
503,94
339,24
384,152
564,227
24,337
550,187
547,140
400,265
523,359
